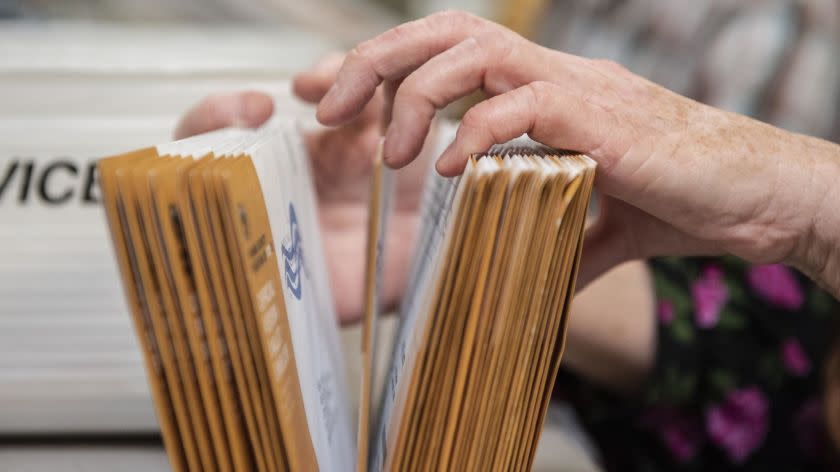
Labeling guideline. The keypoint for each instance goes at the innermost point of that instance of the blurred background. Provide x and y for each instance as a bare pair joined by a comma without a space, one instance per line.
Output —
84,78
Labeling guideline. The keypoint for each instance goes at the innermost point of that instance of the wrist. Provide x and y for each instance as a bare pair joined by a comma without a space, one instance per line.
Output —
817,253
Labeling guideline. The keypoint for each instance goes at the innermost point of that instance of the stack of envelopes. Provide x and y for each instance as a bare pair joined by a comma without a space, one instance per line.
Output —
484,353
218,240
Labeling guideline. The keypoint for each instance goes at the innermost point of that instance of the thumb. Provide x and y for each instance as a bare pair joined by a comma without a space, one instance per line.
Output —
624,232
603,249
611,240
246,109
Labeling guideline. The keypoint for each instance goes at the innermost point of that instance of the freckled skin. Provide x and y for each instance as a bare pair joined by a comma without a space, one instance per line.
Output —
678,177
675,177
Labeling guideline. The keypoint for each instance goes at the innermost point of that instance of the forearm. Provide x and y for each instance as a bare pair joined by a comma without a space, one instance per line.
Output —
612,331
818,253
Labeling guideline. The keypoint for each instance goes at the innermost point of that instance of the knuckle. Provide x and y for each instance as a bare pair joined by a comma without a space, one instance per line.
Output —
539,90
401,30
359,58
359,52
472,46
491,41
500,47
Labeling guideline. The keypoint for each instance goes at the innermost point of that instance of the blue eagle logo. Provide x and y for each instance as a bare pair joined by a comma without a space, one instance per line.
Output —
293,255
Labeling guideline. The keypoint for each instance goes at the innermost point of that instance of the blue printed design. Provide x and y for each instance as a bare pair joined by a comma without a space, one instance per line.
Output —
293,255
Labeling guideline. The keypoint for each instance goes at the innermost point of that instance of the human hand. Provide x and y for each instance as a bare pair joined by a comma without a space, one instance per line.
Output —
677,177
341,166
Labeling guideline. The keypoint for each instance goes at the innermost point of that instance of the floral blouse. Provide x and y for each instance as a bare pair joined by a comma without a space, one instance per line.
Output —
740,347
736,385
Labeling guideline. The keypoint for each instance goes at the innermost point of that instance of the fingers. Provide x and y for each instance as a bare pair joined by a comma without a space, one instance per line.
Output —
246,109
440,81
392,56
311,85
547,112
389,91
491,62
442,57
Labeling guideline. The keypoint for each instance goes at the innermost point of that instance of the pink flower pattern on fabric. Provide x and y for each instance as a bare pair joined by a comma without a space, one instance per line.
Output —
709,293
777,284
665,312
739,424
682,434
738,361
794,358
